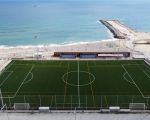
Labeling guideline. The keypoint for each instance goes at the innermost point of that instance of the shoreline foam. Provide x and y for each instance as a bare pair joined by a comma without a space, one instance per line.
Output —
56,45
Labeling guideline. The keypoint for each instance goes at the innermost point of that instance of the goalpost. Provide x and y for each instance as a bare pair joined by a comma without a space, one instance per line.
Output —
137,106
1,97
3,106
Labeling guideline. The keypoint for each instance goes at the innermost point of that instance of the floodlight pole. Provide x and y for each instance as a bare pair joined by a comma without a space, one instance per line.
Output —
1,98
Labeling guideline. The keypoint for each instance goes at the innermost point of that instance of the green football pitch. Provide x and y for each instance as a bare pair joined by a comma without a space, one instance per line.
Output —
81,84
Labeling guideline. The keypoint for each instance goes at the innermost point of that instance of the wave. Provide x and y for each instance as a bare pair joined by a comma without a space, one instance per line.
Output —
57,45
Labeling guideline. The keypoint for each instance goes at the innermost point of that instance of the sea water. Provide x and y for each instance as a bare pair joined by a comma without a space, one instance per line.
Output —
45,22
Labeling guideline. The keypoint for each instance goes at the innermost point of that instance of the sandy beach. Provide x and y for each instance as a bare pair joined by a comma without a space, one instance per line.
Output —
47,51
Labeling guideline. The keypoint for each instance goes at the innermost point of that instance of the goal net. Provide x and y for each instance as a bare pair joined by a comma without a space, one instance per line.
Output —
137,106
21,106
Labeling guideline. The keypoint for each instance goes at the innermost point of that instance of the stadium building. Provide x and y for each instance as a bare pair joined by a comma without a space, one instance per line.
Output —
92,54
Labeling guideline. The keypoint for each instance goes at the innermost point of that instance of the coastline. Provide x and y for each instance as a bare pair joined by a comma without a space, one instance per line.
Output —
124,40
48,50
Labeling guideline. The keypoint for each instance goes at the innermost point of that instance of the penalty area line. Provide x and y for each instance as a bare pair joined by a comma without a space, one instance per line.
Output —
135,83
21,83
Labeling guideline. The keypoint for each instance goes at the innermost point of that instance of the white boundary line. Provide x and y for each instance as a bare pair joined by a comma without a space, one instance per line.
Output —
118,65
147,63
147,67
134,82
6,68
62,66
10,72
145,72
78,77
23,64
133,64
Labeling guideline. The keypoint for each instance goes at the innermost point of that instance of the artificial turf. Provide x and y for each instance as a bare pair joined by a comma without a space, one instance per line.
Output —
81,84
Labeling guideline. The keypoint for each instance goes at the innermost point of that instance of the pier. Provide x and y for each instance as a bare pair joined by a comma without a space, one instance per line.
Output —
121,31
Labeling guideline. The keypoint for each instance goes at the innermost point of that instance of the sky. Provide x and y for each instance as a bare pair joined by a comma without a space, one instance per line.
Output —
124,1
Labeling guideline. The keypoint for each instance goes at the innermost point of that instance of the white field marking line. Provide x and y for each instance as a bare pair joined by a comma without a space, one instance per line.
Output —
134,82
132,64
22,64
29,79
126,78
107,66
147,66
34,64
139,66
91,84
78,83
145,72
66,84
8,66
147,63
21,83
3,107
10,72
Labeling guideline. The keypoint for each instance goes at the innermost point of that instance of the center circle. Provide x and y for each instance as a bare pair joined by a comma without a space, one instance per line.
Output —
78,78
